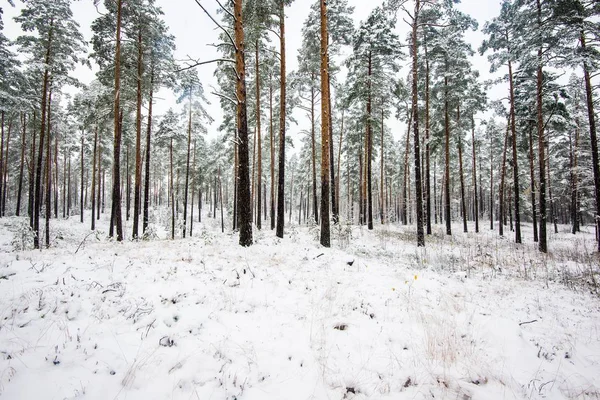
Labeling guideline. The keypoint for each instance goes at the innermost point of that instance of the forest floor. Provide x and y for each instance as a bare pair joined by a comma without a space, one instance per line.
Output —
472,316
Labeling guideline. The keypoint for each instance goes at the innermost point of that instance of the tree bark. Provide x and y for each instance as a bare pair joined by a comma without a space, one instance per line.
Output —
148,145
116,192
282,120
38,174
417,149
259,143
244,200
138,138
543,244
326,146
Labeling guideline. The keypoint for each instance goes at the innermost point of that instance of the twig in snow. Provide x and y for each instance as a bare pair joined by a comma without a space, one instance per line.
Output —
83,241
322,254
528,322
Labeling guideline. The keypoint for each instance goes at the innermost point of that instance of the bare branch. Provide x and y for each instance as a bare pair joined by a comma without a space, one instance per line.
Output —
198,63
216,23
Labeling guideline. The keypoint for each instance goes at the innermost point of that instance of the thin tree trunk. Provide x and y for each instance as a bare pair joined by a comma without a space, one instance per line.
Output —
116,192
38,174
515,166
543,244
463,201
94,162
447,154
21,164
259,143
48,171
475,174
187,170
146,219
282,121
533,187
138,139
272,142
502,179
172,190
81,194
417,149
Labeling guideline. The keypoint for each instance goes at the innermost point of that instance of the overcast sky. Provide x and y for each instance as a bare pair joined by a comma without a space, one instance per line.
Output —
193,31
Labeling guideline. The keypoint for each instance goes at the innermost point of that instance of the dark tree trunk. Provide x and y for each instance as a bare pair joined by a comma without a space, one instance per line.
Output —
502,180
244,200
81,184
187,170
94,162
259,144
148,145
533,188
118,116
543,244
21,164
476,214
515,158
447,158
138,139
38,173
463,200
415,107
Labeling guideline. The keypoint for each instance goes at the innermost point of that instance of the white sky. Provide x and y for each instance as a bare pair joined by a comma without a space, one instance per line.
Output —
193,31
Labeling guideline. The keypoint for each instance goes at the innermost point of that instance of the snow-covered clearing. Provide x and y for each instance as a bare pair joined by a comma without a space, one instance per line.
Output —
473,316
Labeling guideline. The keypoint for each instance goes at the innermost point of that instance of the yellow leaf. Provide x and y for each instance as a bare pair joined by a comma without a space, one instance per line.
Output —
415,277
393,289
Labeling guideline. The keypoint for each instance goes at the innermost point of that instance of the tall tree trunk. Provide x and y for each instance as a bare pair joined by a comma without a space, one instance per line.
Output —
339,160
282,120
38,174
187,170
32,169
81,194
513,131
502,180
272,143
172,190
369,153
259,143
415,107
463,200
193,184
48,193
447,154
148,145
533,188
335,213
475,174
22,163
491,180
4,175
244,200
326,146
116,192
543,244
381,178
94,162
427,133
1,159
404,213
574,152
314,151
138,139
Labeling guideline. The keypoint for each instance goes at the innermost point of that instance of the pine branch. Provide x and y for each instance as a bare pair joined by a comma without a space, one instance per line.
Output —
198,63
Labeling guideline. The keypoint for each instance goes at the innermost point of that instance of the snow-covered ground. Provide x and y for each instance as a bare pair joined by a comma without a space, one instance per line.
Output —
472,316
